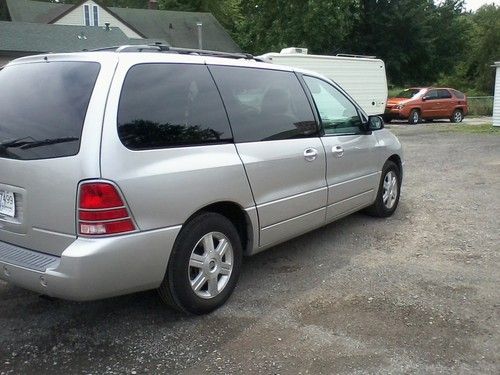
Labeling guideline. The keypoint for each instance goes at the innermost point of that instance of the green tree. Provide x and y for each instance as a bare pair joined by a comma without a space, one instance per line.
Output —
485,48
472,71
321,26
402,34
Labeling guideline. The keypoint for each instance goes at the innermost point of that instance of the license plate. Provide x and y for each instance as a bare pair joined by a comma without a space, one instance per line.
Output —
7,203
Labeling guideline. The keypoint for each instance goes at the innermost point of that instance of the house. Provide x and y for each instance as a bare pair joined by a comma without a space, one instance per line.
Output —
496,100
178,29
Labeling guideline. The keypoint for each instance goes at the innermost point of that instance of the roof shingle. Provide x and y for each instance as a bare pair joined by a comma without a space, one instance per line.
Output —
177,28
40,38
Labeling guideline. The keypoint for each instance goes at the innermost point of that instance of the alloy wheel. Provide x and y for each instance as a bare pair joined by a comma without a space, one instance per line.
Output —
210,265
390,193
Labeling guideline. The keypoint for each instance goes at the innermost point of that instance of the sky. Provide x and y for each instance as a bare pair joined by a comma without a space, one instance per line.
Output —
474,4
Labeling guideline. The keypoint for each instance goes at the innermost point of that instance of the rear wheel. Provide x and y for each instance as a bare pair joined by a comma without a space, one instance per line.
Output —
414,117
388,192
457,116
204,265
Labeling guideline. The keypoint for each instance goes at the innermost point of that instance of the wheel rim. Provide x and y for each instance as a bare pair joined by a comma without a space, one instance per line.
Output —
415,117
458,116
391,190
210,265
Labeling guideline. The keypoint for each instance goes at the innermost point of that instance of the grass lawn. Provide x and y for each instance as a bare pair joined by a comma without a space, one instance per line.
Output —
487,128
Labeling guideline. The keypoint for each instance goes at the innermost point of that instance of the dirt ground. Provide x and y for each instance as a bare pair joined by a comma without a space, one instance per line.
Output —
415,293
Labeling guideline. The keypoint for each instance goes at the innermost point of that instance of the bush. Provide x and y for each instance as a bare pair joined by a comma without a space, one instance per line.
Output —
481,106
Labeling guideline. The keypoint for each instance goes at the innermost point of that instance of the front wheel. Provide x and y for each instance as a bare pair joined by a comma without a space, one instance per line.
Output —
388,192
204,265
414,117
457,116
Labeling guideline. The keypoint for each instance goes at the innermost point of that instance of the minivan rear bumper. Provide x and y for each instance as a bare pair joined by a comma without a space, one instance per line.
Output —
91,269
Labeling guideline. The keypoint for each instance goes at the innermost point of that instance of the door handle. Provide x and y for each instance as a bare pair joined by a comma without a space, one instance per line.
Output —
310,154
338,151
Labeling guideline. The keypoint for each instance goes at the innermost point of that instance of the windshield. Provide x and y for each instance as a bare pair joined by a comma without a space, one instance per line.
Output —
43,107
408,93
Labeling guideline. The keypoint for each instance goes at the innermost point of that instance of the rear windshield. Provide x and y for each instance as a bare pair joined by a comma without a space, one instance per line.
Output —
43,107
408,93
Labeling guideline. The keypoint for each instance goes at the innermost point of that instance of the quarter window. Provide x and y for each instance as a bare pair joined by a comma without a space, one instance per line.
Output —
444,94
338,115
263,104
458,94
165,105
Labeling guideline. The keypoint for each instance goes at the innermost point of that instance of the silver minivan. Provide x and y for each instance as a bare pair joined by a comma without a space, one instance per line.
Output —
153,168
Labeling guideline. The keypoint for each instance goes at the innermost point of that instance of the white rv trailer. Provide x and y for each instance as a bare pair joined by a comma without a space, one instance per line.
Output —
363,77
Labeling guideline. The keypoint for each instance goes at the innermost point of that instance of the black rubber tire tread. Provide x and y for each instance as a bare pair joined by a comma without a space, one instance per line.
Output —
378,208
410,118
175,290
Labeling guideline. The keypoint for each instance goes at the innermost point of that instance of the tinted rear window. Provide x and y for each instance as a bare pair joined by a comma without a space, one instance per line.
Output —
168,105
43,107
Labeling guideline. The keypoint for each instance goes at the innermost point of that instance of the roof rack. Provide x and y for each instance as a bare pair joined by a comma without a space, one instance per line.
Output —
157,47
356,56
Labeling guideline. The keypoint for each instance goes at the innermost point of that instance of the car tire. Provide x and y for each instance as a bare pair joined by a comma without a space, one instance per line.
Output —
414,117
204,265
457,116
389,191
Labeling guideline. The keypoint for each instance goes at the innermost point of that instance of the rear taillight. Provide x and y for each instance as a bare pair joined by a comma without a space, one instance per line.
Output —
102,211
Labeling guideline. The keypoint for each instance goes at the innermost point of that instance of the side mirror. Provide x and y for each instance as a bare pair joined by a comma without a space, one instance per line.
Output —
375,123
424,98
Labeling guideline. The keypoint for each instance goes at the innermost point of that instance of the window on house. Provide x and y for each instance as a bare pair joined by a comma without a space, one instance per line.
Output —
86,14
95,9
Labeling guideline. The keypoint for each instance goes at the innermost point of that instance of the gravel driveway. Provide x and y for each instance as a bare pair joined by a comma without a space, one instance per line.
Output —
416,293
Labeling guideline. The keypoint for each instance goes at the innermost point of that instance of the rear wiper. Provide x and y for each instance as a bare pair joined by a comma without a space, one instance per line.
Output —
18,142
46,142
23,145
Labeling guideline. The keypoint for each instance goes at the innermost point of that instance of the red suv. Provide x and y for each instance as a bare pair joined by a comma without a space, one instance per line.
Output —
429,103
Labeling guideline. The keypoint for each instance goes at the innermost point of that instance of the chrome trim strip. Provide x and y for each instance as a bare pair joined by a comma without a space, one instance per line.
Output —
293,218
291,197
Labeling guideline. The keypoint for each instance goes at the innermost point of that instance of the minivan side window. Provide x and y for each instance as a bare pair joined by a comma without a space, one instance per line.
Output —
338,115
168,105
264,104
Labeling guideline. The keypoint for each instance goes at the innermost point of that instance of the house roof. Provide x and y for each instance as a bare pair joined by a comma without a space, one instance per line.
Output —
35,11
177,28
39,38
